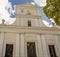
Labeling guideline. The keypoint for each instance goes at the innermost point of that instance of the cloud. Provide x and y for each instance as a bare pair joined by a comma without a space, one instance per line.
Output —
6,10
32,3
40,2
47,24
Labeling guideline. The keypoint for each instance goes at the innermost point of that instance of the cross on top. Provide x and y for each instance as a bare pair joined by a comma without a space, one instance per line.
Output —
3,21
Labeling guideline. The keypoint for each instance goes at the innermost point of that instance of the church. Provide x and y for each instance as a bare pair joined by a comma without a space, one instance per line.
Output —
28,36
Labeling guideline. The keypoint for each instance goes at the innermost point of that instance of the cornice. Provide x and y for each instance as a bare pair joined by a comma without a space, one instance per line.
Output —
28,5
33,30
29,16
25,27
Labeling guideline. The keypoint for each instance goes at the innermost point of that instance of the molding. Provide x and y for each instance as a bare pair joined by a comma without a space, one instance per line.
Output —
28,5
26,27
29,16
33,30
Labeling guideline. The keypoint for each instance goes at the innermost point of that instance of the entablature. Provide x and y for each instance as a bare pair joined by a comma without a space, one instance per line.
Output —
22,29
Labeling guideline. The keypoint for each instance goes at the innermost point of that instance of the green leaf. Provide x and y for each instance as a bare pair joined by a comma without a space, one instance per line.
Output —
52,10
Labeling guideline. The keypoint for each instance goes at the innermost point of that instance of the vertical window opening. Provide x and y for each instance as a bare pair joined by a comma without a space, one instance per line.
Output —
29,23
52,51
22,10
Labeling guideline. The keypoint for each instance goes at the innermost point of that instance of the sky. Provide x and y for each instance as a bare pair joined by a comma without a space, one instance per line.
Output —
8,10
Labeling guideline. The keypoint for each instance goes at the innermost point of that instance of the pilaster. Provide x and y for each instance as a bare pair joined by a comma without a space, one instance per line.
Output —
57,45
36,21
22,21
17,44
22,46
2,44
44,46
40,53
18,21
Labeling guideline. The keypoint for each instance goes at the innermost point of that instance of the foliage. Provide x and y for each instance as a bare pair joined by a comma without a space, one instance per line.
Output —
52,10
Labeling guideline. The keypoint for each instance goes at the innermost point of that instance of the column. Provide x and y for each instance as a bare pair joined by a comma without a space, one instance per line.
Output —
17,44
45,52
57,45
2,44
40,53
22,45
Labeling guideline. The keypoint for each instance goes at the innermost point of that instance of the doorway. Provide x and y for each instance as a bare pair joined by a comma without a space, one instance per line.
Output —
52,51
9,50
31,49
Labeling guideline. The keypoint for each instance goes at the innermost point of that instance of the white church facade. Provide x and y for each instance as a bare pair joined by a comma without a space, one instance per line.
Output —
28,36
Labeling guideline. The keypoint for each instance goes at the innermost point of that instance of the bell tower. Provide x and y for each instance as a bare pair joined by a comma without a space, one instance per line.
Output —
28,15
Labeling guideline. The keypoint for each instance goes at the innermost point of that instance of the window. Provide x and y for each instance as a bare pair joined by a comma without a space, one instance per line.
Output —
52,51
22,10
28,13
29,23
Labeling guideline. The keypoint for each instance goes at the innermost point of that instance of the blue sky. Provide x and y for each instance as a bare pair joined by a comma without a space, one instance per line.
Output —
14,2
